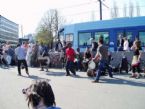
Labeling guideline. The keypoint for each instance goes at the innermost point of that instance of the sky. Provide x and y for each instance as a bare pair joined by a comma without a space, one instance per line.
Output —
28,13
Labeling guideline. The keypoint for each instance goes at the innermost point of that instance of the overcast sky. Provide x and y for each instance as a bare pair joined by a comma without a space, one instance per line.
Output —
29,12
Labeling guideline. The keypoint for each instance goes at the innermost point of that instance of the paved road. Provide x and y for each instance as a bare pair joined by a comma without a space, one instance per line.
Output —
78,92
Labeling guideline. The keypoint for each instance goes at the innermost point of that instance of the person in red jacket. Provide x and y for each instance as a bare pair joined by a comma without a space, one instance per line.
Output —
70,56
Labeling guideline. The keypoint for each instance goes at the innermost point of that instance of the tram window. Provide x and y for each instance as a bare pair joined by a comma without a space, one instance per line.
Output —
142,38
84,39
119,34
105,36
120,39
69,37
129,35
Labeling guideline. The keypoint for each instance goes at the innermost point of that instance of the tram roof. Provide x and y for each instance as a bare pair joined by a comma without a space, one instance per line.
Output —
113,23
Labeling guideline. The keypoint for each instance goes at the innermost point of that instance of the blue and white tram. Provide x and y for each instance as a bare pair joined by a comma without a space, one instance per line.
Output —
80,33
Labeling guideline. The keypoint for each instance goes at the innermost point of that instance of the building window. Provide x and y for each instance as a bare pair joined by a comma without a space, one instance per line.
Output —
84,39
105,37
69,37
142,38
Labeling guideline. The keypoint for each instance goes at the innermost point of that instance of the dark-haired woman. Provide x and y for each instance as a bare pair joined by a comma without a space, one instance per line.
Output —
40,95
136,60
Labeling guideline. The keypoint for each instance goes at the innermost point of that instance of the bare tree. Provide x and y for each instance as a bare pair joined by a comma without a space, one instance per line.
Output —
124,10
114,10
131,9
49,25
137,9
112,13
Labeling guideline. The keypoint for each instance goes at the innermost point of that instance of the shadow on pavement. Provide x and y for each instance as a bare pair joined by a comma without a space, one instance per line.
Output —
64,74
116,80
55,73
82,77
33,77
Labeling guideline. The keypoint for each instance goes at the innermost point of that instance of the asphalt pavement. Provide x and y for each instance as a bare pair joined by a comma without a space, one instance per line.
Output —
74,92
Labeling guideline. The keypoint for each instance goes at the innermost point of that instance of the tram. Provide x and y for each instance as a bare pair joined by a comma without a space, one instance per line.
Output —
79,34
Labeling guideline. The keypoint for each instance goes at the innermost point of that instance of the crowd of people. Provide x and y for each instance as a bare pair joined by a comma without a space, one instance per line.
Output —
125,45
102,57
40,94
28,55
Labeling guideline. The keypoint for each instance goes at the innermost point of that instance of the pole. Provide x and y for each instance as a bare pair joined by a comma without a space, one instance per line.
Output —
100,2
22,31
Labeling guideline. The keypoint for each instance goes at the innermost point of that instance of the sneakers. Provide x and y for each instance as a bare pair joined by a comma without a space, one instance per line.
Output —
95,81
27,74
133,75
41,69
74,74
19,74
138,76
67,75
111,76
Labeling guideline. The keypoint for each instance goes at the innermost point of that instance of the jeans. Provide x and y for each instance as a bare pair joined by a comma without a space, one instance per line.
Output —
70,66
103,65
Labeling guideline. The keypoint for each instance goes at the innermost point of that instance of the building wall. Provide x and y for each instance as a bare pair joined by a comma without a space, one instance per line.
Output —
8,31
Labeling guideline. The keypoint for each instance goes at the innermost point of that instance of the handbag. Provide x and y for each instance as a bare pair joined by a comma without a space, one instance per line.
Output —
135,61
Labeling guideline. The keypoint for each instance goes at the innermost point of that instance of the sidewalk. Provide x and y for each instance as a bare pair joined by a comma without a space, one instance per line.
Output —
71,92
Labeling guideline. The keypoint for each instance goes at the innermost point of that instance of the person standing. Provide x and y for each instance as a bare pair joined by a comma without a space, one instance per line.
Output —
63,51
126,44
120,43
70,56
136,60
103,57
10,55
35,54
79,59
58,46
21,57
